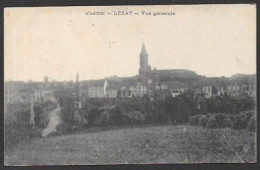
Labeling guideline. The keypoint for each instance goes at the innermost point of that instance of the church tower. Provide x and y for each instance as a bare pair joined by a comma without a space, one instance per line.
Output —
144,67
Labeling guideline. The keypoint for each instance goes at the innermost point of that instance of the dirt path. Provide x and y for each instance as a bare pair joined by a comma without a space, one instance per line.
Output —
54,120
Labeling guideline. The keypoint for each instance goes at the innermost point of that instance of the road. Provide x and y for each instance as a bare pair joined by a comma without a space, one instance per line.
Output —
54,120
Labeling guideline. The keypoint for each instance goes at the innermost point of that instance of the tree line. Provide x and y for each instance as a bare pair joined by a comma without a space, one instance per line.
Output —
130,111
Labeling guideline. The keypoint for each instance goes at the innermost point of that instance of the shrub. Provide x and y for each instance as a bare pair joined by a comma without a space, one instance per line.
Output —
219,120
134,117
17,126
63,129
15,133
252,124
180,108
203,120
92,115
103,118
212,122
228,104
194,120
116,116
241,120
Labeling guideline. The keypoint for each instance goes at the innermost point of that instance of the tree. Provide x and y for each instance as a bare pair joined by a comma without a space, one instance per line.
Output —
180,108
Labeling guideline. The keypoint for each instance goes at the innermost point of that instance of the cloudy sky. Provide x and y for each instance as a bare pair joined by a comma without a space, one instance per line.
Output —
212,40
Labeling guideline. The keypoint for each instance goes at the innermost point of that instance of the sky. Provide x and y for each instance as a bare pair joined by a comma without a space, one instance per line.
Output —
58,42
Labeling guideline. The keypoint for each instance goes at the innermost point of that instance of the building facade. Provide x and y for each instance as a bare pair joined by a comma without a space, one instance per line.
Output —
97,88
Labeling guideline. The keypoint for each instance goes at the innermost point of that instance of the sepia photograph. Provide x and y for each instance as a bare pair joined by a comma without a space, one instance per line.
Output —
136,84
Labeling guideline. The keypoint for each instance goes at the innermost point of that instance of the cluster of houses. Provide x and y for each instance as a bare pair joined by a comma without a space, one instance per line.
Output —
17,92
139,86
116,87
153,83
158,83
230,90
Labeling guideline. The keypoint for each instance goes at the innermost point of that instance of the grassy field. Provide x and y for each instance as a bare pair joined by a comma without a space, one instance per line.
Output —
131,145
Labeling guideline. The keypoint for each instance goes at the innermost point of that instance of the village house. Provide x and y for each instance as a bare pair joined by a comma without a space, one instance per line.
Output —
233,90
112,91
248,90
176,92
96,88
10,94
42,95
154,83
221,91
207,90
25,95
17,93
135,86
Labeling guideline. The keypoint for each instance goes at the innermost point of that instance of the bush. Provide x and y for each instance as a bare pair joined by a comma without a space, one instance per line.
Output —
194,120
103,118
180,108
219,120
116,116
203,120
15,133
134,117
62,128
17,127
212,122
241,120
228,104
252,124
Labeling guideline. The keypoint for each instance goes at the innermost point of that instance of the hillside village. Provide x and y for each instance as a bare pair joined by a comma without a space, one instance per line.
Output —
82,88
152,82
191,108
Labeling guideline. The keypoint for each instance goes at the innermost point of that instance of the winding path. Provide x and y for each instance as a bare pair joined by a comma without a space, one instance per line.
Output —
54,120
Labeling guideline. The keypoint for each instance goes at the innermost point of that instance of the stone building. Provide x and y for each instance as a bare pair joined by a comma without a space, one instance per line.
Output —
42,95
112,91
249,90
207,90
221,91
10,94
97,88
17,93
234,90
144,69
164,82
135,86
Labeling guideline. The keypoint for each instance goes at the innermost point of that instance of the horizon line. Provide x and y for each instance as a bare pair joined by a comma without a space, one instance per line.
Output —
125,77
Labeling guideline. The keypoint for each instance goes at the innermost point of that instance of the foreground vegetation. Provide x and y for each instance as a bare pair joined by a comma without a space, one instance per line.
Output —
222,129
140,110
218,111
147,144
17,126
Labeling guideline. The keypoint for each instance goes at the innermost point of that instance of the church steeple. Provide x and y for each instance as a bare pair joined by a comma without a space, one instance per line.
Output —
143,51
143,61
